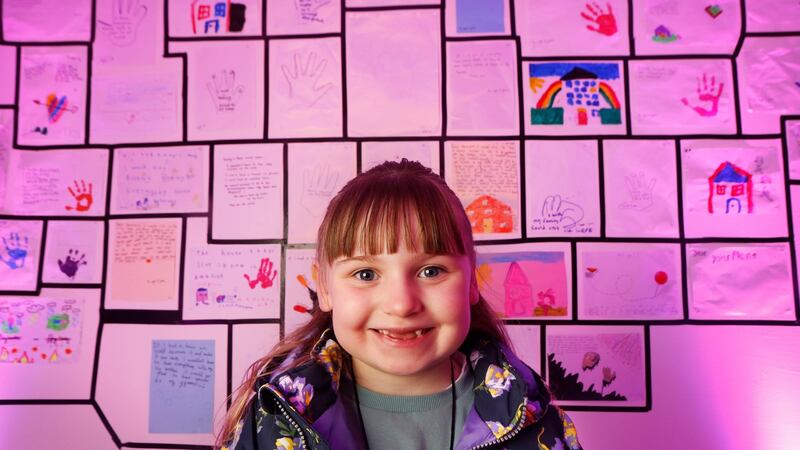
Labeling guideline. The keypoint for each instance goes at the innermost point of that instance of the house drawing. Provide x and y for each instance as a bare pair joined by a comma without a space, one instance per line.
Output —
730,189
587,96
489,215
519,292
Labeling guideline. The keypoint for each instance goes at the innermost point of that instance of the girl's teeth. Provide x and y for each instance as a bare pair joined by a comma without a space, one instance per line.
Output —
411,335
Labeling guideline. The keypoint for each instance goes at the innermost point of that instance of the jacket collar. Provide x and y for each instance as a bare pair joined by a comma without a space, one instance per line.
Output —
508,395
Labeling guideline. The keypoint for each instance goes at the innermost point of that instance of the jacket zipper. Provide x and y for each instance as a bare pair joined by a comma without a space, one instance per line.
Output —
505,437
292,421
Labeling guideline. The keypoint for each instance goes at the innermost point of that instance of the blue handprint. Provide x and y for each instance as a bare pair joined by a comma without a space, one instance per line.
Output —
16,251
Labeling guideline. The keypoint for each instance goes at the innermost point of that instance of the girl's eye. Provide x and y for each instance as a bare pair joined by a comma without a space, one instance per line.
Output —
366,275
430,272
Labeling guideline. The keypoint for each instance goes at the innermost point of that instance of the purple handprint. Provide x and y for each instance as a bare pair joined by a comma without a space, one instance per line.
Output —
71,263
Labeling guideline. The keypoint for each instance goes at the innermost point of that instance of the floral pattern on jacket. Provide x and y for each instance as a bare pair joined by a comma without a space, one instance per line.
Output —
511,410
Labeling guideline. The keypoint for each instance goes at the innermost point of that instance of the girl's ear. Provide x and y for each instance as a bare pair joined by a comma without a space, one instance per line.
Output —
322,290
474,292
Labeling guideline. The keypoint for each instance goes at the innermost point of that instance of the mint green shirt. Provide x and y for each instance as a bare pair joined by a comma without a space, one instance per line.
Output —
397,422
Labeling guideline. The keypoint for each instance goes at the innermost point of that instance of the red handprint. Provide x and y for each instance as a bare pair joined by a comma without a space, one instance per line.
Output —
605,21
266,276
706,95
82,195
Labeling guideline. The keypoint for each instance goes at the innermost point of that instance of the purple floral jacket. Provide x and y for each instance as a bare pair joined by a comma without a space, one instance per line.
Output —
301,408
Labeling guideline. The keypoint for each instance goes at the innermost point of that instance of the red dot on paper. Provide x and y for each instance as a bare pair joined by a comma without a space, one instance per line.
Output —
661,277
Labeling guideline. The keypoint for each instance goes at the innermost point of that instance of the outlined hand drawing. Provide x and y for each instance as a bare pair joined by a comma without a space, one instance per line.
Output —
565,213
82,195
265,277
640,192
126,16
16,250
707,104
308,9
319,184
304,79
71,263
602,22
224,91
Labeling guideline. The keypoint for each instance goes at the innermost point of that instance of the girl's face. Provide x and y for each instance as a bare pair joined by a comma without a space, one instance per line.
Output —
400,316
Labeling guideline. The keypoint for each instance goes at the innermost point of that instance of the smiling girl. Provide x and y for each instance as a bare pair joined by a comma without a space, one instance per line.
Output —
403,352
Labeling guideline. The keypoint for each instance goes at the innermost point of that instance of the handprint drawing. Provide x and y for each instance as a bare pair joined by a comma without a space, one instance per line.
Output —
82,195
602,22
265,277
640,192
319,185
71,263
126,16
304,79
16,250
707,104
224,91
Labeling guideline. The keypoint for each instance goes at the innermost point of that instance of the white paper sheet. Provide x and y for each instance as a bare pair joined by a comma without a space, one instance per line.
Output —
225,89
629,281
126,354
83,429
682,97
792,138
8,73
526,281
143,264
733,188
370,3
20,254
138,105
424,152
229,281
485,176
317,171
740,281
301,288
303,17
57,182
597,365
641,190
52,95
6,144
674,27
394,73
74,252
128,33
466,18
251,341
772,15
563,190
305,88
482,88
151,180
573,98
47,344
248,192
572,27
769,82
527,343
47,20
205,18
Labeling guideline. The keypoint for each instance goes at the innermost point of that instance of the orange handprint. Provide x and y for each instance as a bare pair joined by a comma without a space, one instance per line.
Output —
266,276
605,21
82,195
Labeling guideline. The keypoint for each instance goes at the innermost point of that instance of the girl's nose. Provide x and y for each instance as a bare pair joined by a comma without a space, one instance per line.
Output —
401,298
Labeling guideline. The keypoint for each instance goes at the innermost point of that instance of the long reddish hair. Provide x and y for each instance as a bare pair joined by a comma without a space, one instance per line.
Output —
372,214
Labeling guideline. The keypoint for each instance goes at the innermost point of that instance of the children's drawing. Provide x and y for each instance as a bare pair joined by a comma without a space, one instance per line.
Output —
589,94
16,250
663,35
304,79
126,16
559,214
728,186
707,101
600,21
265,277
308,10
224,91
320,183
82,195
525,283
72,262
55,106
480,16
713,11
489,215
640,192
599,366
39,330
217,17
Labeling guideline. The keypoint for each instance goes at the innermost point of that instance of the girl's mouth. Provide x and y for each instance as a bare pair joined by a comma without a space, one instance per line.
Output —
406,334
